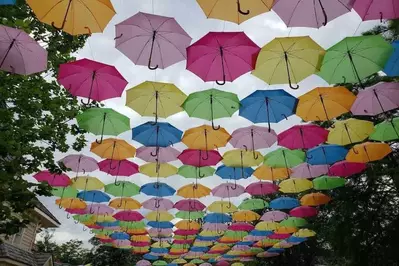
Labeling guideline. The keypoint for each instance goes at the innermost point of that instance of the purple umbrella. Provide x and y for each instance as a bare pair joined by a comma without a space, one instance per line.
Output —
151,40
377,99
143,263
118,168
159,204
121,243
311,13
19,53
99,209
80,163
274,216
377,9
254,238
228,190
214,227
306,170
164,155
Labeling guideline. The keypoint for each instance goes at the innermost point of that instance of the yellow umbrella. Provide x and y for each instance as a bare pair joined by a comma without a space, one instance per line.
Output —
304,233
194,191
295,185
283,244
222,207
211,233
160,244
203,243
286,230
87,183
74,16
155,99
159,216
242,158
114,149
315,199
187,225
267,226
207,256
71,203
205,138
140,239
267,242
265,172
350,131
237,264
368,152
104,218
158,170
125,204
190,264
245,216
324,104
179,261
220,247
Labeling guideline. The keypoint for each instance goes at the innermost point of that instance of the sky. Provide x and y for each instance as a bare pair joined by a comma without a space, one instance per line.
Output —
261,29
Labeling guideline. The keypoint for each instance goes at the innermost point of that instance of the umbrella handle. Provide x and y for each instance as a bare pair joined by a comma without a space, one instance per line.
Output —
157,204
289,72
324,13
215,127
116,182
256,156
68,216
118,37
381,17
103,128
200,175
120,204
234,187
207,156
245,13
152,49
309,157
223,82
91,212
224,74
100,141
65,17
354,150
85,103
84,229
156,152
76,222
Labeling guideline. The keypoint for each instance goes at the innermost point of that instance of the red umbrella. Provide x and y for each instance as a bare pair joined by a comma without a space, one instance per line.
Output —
345,168
199,158
189,205
241,227
54,180
304,211
128,216
279,236
302,137
222,56
186,232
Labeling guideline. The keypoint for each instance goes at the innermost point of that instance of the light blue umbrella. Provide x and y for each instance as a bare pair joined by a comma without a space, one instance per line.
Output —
284,203
94,196
234,173
392,66
157,189
326,154
7,2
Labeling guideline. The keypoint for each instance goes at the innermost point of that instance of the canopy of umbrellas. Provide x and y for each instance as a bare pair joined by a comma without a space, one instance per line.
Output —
310,160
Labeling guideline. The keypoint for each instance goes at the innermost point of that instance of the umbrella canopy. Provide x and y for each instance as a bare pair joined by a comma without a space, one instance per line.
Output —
143,263
122,189
94,196
158,170
80,163
20,54
267,226
194,191
159,263
295,185
355,58
386,131
200,158
345,168
261,188
228,190
274,216
158,135
326,154
8,2
253,204
294,221
64,192
125,204
87,183
284,203
159,216
302,137
315,199
242,158
53,179
157,189
222,56
190,215
187,225
253,138
304,211
265,172
118,168
288,60
392,67
241,227
350,131
304,233
165,154
128,216
113,149
284,158
222,207
217,218
71,203
368,152
189,171
162,42
189,205
376,10
306,170
205,138
328,183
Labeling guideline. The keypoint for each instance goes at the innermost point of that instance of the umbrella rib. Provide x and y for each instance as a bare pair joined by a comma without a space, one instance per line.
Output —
92,14
51,9
185,56
293,11
160,52
131,38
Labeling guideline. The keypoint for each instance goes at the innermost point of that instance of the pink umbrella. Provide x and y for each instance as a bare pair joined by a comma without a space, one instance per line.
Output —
156,232
99,209
214,227
215,251
91,79
158,41
76,211
310,13
222,263
80,163
241,227
183,241
261,188
139,244
274,216
197,157
165,154
205,264
377,9
345,168
121,243
186,232
19,53
189,205
279,236
118,168
304,211
241,247
222,56
228,190
302,137
194,254
254,238
128,216
377,99
54,180
143,263
159,239
160,204
306,170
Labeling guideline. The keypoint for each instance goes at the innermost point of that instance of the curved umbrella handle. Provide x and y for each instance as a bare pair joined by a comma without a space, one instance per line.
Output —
256,156
224,74
118,37
65,17
207,156
221,83
229,205
152,49
116,183
103,128
157,204
245,13
324,13
68,216
289,72
200,175
120,204
84,229
245,147
76,222
57,28
309,157
156,152
85,103
213,125
235,186
355,151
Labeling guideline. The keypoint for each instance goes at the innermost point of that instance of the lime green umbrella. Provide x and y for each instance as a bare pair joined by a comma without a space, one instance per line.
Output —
103,121
253,204
284,158
64,192
83,218
327,182
386,131
102,231
211,104
294,222
235,234
256,250
189,215
189,171
197,261
132,225
159,263
355,58
122,189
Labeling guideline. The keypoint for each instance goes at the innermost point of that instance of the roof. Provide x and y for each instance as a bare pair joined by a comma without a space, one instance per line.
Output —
16,254
44,210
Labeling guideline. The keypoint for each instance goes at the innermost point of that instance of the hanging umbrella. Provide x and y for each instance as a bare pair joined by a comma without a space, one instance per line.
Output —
53,179
306,170
188,225
222,56
323,104
157,189
350,131
228,190
267,226
194,191
200,158
315,199
113,149
189,171
304,233
261,188
118,168
122,189
150,257
7,2
143,263
234,173
94,196
242,159
159,216
328,183
302,137
294,221
274,216
270,106
265,172
159,41
376,10
295,185
368,152
165,154
284,158
71,203
125,204
217,218
253,204
345,168
214,227
87,183
156,204
392,66
64,192
160,224
20,54
241,227
288,60
211,104
386,131
304,211
79,163
189,205
158,170
355,58
159,263
326,154
284,203
377,99
190,215
179,261
128,216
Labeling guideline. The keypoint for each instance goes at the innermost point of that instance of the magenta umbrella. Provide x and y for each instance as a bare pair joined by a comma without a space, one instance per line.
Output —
302,137
164,154
279,236
222,56
180,232
157,41
118,168
99,209
222,263
54,180
261,188
306,170
311,13
228,190
345,168
91,79
377,9
241,227
189,205
197,157
19,53
128,216
304,211
158,204
377,99
274,216
214,227
76,211
80,163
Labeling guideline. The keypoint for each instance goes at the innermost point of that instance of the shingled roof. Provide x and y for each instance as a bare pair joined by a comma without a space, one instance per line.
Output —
11,252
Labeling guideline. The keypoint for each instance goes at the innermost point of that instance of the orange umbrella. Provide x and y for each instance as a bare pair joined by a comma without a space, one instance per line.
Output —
368,152
114,149
245,216
125,204
315,199
265,172
187,225
205,138
194,191
71,203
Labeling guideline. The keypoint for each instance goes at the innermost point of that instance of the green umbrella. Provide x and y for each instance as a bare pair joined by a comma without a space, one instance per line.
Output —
253,204
197,261
83,218
284,158
103,121
386,131
294,222
102,231
355,58
189,215
132,225
211,104
235,234
184,237
256,250
160,263
65,192
326,182
122,189
189,171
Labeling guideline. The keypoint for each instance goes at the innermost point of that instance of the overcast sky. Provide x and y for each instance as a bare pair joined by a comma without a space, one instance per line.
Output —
261,29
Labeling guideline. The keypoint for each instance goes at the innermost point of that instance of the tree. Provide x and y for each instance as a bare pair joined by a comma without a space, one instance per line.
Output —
34,119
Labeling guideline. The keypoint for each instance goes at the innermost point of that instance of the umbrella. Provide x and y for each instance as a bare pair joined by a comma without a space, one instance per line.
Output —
20,54
92,80
160,224
222,207
326,154
315,199
241,227
284,203
373,10
392,66
228,190
125,204
267,226
274,216
190,215
245,216
304,211
386,130
377,99
345,168
328,183
205,138
265,172
165,154
304,233
284,158
94,196
270,106
350,131
214,227
71,203
53,179
253,204
80,162
113,149
128,216
189,205
158,170
118,168
197,157
295,185
222,56
355,58
103,121
368,152
122,189
194,191
159,41
150,257
261,188
188,225
288,60
217,218
159,216
64,192
211,104
311,14
323,104
306,170
179,261
120,236
242,159
156,204
159,263
8,2
143,263
267,254
157,189
189,171
302,137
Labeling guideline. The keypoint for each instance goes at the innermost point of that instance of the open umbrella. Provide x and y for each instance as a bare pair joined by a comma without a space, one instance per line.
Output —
284,203
306,170
87,183
80,163
234,173
350,131
8,2
190,215
157,189
118,168
345,168
222,56
217,218
71,203
261,188
200,158
368,152
188,225
328,183
158,170
128,216
19,53
205,138
125,204
159,216
274,216
302,137
326,154
165,154
253,204
284,158
93,196
160,204
64,192
303,212
315,199
122,189
386,131
189,171
265,172
228,190
242,159
373,10
189,205
53,179
113,149
392,66
295,185
194,191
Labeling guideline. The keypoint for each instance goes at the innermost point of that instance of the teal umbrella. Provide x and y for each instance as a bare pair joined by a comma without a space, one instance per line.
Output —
386,131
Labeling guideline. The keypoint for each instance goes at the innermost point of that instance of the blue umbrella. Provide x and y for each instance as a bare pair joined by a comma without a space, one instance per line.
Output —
212,260
226,172
157,189
199,249
269,106
150,257
207,238
326,154
159,250
284,203
172,264
94,196
245,243
225,256
217,218
120,236
392,66
108,224
261,233
160,224
7,2
294,239
275,250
